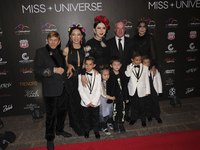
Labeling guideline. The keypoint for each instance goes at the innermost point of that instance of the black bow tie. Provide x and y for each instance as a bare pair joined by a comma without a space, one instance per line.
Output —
137,66
90,74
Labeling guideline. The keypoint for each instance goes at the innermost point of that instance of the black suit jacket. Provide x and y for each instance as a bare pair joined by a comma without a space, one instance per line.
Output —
52,83
126,55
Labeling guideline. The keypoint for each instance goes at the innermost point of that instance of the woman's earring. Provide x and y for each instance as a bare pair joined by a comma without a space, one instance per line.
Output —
81,42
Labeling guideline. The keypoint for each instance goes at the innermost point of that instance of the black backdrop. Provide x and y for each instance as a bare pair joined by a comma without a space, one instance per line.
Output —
24,26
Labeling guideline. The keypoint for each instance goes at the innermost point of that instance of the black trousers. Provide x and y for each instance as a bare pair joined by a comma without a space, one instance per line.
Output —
118,112
56,107
91,118
137,107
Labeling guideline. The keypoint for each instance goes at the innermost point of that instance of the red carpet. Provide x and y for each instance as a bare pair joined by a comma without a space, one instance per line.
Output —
183,140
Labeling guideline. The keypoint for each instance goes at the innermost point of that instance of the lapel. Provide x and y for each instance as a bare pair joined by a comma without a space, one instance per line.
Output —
116,48
134,72
91,84
140,71
48,57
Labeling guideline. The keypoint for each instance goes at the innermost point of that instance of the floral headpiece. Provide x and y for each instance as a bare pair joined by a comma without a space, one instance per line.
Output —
142,19
76,25
103,19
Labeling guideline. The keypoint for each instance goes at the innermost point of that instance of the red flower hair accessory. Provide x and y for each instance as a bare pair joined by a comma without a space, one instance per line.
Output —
103,19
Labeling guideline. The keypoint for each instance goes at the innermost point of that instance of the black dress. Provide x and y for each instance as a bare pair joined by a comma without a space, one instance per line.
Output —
75,113
99,51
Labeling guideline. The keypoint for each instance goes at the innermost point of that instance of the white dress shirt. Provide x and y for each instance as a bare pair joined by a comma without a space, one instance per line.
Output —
122,42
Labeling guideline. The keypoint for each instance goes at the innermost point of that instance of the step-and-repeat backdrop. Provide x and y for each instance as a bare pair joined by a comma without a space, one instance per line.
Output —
24,25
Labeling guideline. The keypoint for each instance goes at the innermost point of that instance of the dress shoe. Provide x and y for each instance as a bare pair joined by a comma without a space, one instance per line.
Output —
86,135
50,145
115,127
121,128
144,124
65,134
159,120
149,119
132,122
97,135
128,119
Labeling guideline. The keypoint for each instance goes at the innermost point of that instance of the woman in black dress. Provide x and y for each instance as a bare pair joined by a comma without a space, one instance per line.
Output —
75,55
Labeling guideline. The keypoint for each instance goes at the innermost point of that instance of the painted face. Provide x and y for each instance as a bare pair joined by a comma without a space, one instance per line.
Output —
53,42
116,65
136,60
119,29
142,28
100,30
105,74
89,65
76,36
146,62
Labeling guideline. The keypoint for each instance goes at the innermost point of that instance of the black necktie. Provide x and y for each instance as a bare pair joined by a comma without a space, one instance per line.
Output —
90,74
120,46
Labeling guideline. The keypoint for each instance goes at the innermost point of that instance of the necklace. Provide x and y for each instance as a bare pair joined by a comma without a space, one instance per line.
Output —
98,38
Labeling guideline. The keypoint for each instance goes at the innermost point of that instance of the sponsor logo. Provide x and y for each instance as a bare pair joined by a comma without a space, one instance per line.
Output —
151,24
171,49
2,62
4,72
189,90
22,29
48,27
0,46
5,95
69,7
189,79
25,58
128,24
172,91
192,70
172,71
31,106
170,60
193,34
171,23
31,93
173,5
26,70
169,81
193,22
7,107
31,83
23,43
171,36
1,32
192,48
5,85
190,58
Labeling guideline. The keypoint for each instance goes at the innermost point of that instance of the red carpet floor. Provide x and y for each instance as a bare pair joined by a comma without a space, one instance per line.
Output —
182,140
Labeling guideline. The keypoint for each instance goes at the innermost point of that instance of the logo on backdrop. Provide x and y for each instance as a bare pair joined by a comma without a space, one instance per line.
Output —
2,62
25,58
23,43
128,24
48,27
193,34
0,46
22,29
31,93
171,23
171,49
31,83
169,81
5,95
5,85
189,90
26,70
172,91
190,58
69,7
170,60
192,70
7,107
31,106
151,24
192,48
1,32
193,22
4,72
172,71
171,36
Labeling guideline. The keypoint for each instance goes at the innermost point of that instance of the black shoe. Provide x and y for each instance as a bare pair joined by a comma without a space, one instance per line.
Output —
86,135
144,124
149,119
115,127
132,122
128,119
159,120
50,145
65,134
97,135
121,128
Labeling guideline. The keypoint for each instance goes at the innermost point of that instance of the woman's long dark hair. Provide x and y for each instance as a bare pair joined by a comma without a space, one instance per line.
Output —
141,20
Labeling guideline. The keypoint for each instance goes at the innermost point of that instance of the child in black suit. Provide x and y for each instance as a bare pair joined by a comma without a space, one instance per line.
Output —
117,87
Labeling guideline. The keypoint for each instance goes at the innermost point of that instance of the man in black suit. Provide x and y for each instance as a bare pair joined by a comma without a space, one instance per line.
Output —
122,47
49,63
